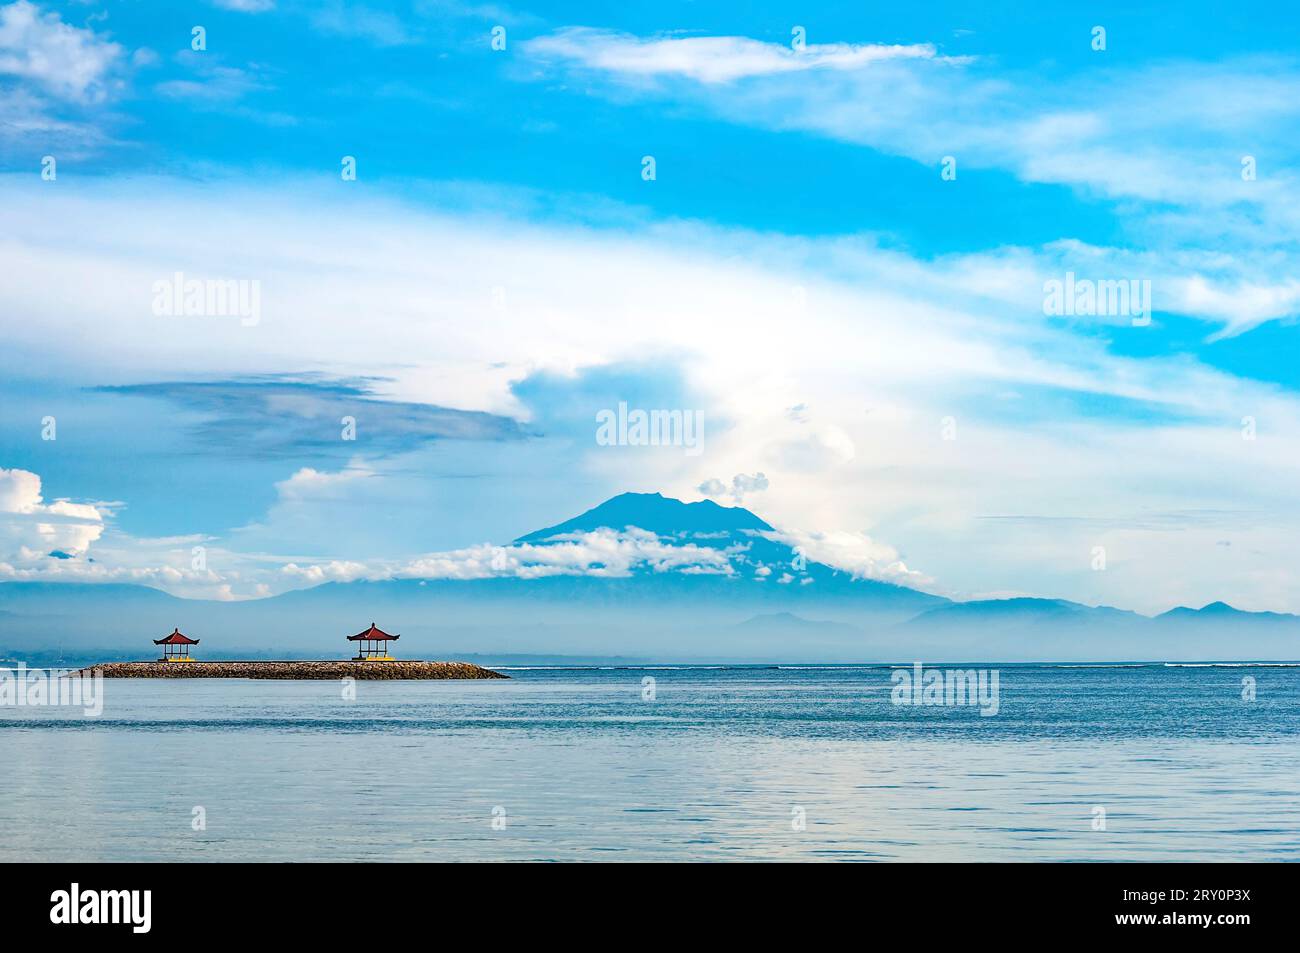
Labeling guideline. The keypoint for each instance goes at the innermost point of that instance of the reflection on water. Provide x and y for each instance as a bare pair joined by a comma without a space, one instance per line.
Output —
721,764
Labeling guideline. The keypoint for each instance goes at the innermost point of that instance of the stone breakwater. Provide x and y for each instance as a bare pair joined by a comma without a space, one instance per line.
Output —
322,670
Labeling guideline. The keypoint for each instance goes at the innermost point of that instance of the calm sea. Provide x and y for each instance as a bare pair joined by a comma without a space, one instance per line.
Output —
704,763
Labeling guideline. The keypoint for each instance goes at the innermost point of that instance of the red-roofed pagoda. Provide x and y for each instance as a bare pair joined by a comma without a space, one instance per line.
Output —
374,644
176,647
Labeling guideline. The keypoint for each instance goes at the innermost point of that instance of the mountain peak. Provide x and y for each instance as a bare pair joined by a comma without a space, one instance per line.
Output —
1211,608
1218,607
657,514
1219,612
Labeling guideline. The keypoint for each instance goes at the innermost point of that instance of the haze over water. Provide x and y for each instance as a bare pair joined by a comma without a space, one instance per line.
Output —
715,767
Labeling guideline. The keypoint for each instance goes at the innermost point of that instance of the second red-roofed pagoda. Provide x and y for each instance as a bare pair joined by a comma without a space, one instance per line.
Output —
374,644
176,647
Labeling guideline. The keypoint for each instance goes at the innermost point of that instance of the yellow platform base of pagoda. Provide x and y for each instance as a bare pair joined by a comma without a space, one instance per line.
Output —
177,658
374,658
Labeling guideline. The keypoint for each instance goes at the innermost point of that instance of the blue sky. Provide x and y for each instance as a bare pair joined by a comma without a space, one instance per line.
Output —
799,270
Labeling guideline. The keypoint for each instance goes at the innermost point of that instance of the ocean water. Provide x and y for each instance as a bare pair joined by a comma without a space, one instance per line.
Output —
748,763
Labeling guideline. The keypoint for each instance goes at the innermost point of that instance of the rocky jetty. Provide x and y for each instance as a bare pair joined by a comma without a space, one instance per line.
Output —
291,669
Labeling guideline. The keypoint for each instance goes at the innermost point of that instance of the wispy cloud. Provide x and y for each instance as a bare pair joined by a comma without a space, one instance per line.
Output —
213,82
306,417
1166,143
364,22
245,6
710,59
1124,132
210,85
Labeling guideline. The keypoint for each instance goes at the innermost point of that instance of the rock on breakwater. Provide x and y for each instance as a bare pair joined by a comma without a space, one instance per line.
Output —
292,669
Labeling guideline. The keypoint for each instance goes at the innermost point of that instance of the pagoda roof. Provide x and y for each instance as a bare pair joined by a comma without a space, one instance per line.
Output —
372,634
176,638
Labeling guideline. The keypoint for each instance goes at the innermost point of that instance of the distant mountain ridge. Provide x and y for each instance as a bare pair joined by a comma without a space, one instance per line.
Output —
1021,608
765,608
1221,610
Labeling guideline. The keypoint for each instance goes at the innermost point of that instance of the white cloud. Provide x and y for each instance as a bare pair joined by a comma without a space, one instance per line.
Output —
855,553
604,552
20,491
246,6
1240,306
66,61
712,487
336,570
709,59
162,563
308,484
31,529
741,484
